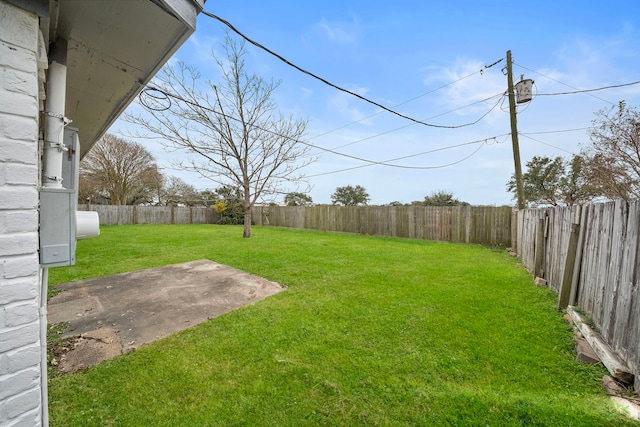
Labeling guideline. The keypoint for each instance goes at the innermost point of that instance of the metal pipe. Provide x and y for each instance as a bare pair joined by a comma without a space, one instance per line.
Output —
44,282
55,121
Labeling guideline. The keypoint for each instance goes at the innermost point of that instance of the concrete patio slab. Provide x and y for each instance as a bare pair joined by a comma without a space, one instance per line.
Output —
133,309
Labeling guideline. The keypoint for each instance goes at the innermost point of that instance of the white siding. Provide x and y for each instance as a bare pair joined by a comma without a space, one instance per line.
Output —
20,346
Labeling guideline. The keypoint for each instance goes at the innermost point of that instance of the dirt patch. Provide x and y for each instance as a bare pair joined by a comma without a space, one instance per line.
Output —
111,315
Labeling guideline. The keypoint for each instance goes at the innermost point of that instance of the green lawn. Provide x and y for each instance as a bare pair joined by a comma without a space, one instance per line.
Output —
372,331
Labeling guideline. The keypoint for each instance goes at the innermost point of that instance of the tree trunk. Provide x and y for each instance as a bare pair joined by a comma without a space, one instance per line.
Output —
247,220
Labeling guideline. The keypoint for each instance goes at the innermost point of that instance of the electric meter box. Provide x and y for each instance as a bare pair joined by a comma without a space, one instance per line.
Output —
57,227
58,210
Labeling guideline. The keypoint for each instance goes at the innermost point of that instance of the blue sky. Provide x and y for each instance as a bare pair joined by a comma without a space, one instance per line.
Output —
432,54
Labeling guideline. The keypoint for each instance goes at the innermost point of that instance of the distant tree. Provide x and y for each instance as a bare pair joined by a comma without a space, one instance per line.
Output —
442,198
555,182
350,196
177,192
613,156
297,199
208,197
231,126
122,171
396,203
229,204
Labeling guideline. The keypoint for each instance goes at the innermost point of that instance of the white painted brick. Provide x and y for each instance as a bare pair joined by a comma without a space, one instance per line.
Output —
18,244
19,197
15,129
20,382
18,221
3,173
19,266
17,173
23,358
19,104
21,289
3,413
17,360
11,339
29,419
17,59
18,134
18,27
18,81
23,403
15,315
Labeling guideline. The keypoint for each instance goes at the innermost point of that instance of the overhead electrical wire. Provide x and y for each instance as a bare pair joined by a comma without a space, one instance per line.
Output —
403,103
578,90
590,90
442,114
545,143
167,97
553,131
384,162
328,83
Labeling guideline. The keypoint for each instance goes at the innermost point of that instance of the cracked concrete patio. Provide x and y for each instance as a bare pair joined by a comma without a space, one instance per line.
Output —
112,315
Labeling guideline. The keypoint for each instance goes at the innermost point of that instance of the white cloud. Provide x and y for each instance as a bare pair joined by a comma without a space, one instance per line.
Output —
342,103
461,86
339,32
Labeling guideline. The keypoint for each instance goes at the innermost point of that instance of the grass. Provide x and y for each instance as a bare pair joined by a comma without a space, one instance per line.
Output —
372,331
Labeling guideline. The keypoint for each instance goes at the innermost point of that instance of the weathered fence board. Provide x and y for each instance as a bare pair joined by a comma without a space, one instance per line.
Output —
489,226
121,215
609,266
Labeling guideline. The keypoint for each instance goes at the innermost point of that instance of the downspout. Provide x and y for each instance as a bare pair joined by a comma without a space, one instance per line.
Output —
54,123
44,363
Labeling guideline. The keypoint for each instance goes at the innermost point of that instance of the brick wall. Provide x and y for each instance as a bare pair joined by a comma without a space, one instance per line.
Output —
20,345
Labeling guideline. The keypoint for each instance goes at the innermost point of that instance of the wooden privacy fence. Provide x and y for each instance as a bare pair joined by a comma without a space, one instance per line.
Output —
485,225
121,215
590,256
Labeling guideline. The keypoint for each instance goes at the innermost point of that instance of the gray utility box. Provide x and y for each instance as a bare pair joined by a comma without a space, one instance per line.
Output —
58,210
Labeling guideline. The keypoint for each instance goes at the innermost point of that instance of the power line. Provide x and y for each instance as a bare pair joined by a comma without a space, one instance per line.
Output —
167,97
564,84
547,144
442,114
553,131
302,70
385,162
403,103
590,90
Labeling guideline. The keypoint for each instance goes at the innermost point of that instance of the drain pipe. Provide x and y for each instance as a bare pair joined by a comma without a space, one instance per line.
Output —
55,121
44,363
54,148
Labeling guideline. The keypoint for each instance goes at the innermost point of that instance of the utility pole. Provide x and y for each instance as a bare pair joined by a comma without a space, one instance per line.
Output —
514,133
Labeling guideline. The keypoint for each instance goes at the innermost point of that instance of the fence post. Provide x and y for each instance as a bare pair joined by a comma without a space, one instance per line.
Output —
540,238
567,276
514,231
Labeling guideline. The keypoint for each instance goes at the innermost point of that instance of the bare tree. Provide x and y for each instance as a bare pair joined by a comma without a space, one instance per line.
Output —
233,127
177,192
613,158
120,170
